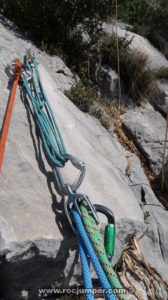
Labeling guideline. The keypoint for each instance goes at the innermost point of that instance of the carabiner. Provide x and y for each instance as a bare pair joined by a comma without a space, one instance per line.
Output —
78,164
61,185
109,236
75,200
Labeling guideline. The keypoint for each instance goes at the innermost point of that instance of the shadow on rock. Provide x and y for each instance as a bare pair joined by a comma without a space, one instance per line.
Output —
41,263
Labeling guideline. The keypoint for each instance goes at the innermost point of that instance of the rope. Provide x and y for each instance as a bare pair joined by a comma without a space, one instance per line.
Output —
55,151
90,251
85,269
98,244
44,118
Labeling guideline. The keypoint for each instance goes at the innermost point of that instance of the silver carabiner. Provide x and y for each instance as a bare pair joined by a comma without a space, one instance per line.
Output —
75,200
61,185
78,164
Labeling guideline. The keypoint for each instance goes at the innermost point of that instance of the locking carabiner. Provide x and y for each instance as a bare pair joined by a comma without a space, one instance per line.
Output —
75,200
109,236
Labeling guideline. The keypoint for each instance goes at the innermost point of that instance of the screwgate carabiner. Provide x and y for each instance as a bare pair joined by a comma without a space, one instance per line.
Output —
109,236
75,200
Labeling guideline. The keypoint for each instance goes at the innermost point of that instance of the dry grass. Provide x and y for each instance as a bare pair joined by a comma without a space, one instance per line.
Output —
108,114
133,264
98,111
128,143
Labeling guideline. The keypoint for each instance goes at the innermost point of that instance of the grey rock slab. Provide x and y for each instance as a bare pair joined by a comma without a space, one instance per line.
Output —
155,58
14,44
37,245
34,233
125,230
159,95
155,239
42,263
165,178
154,243
109,87
147,127
27,204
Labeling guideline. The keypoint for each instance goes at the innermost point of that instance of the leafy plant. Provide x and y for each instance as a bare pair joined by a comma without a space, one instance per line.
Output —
52,21
146,216
145,16
161,73
81,96
133,65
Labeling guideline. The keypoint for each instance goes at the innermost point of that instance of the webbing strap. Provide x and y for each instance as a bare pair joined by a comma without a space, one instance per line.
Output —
6,124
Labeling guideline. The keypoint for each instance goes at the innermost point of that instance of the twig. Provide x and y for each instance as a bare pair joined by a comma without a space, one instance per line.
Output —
164,154
88,67
118,60
99,64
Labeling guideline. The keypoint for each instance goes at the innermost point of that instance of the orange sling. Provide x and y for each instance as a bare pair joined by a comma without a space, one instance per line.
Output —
4,134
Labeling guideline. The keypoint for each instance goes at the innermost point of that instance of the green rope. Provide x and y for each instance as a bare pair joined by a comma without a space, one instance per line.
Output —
98,244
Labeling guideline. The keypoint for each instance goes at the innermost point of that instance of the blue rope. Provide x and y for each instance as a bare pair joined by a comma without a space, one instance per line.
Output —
85,269
90,251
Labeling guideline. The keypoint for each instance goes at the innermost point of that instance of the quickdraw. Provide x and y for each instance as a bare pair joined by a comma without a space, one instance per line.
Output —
81,213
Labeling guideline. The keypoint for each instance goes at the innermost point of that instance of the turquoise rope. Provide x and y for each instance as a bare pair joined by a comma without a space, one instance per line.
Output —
44,118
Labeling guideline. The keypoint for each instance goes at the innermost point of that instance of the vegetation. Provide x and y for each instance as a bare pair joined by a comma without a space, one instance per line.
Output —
133,264
133,65
146,216
82,96
52,21
145,16
161,73
73,30
59,18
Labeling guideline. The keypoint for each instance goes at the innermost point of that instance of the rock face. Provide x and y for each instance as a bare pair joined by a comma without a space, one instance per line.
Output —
159,95
139,43
109,87
30,208
147,127
153,245
160,42
165,181
37,246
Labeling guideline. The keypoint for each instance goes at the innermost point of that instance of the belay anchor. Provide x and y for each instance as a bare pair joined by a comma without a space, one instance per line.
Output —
81,213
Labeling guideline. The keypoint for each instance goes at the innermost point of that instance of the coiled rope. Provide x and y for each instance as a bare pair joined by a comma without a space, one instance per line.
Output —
44,118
